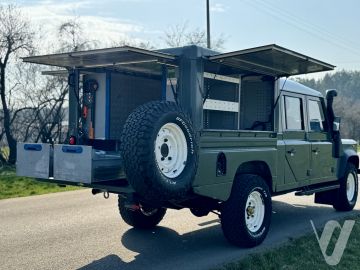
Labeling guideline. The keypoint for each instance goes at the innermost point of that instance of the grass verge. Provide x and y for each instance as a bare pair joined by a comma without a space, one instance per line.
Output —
305,253
12,186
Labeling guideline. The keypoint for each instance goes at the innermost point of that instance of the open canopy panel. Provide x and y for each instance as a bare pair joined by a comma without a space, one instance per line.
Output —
271,60
102,58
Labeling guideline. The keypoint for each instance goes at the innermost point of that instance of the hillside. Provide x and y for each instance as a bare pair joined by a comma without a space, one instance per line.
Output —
347,104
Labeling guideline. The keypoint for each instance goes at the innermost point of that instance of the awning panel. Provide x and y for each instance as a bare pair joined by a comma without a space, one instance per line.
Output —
271,60
101,58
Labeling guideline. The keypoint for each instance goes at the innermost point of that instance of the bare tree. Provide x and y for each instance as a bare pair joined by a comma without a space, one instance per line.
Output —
133,43
42,98
181,35
72,37
15,40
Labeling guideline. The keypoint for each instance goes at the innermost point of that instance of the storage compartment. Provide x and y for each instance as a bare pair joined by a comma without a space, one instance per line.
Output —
127,93
256,103
33,160
221,108
78,163
238,103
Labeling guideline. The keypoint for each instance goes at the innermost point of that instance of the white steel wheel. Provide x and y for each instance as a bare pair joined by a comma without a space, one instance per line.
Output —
171,150
350,187
254,211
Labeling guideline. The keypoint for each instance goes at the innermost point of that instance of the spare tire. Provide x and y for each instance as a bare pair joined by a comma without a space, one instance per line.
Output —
159,150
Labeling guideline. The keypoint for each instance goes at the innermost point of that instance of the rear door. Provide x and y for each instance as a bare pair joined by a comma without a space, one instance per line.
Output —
322,161
297,148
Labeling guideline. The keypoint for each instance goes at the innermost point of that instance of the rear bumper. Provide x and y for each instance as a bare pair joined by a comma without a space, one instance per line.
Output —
70,164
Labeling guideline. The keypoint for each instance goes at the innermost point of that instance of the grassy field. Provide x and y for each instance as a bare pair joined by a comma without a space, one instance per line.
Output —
14,186
304,253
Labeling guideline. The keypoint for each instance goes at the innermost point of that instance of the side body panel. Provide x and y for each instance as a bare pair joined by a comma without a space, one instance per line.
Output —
239,147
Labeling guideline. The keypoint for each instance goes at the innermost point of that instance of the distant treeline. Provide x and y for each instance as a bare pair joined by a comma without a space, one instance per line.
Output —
347,104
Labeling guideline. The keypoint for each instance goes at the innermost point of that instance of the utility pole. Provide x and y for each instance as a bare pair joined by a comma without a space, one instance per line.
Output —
208,23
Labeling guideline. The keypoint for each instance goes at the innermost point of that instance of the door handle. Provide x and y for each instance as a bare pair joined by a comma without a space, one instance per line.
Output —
316,151
292,152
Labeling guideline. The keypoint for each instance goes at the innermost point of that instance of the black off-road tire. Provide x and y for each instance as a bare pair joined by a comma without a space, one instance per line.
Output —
136,217
341,201
233,218
138,151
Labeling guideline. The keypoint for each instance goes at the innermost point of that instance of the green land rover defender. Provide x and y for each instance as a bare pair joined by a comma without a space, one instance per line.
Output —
193,128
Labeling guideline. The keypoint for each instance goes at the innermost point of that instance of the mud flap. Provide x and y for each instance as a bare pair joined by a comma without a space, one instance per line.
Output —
325,197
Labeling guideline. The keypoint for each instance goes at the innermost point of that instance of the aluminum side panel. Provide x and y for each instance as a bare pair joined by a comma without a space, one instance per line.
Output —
33,160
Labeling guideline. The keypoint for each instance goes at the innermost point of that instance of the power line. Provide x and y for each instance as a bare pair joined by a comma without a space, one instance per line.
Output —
299,24
315,28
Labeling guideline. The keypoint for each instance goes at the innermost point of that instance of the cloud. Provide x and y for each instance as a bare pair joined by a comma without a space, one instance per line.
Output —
49,15
218,8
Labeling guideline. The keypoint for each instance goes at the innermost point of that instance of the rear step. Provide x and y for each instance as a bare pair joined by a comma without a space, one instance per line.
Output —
310,191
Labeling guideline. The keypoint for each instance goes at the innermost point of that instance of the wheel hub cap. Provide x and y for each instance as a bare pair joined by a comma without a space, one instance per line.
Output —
164,150
254,211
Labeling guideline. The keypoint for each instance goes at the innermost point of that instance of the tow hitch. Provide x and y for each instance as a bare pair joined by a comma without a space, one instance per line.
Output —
95,191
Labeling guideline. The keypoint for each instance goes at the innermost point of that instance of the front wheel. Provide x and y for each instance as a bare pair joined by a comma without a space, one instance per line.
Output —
246,215
141,217
346,195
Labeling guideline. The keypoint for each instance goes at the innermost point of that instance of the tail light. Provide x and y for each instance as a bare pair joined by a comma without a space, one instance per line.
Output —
72,140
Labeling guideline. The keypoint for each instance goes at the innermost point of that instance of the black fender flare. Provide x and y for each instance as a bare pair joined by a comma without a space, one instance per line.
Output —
349,155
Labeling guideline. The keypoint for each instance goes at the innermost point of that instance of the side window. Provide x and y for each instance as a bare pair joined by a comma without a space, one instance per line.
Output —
293,113
316,116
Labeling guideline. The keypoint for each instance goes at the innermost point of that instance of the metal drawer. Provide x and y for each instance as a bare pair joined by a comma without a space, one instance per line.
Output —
33,160
83,164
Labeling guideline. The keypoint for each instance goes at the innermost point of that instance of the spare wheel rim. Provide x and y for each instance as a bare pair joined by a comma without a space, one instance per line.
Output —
171,150
254,211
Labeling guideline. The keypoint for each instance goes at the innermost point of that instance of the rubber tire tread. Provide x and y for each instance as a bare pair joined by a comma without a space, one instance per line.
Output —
137,219
233,221
341,202
137,142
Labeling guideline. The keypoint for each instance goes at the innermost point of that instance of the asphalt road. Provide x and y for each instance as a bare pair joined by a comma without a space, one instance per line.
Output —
75,230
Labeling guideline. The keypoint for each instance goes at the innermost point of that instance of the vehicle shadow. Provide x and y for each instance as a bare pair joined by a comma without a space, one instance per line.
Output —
164,248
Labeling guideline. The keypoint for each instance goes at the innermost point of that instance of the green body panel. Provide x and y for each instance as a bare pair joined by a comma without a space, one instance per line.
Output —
239,147
294,159
323,164
297,151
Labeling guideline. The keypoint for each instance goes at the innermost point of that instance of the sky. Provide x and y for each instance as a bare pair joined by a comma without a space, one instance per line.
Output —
327,30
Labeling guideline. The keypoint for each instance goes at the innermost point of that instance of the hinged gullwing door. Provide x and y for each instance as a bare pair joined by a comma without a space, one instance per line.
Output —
271,60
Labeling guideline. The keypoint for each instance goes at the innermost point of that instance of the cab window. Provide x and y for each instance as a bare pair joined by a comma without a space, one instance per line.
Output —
293,113
316,116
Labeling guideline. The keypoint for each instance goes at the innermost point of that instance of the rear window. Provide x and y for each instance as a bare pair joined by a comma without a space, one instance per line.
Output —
293,113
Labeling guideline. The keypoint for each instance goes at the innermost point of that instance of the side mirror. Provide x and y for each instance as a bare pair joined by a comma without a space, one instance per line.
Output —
336,124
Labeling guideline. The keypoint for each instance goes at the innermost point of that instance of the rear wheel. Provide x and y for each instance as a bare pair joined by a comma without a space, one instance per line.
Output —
140,216
346,195
246,215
